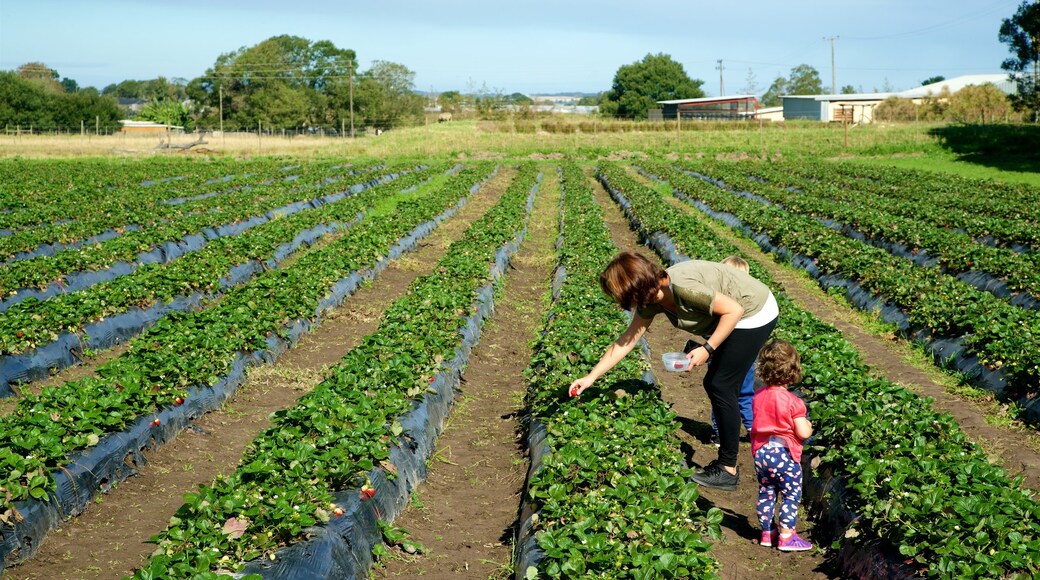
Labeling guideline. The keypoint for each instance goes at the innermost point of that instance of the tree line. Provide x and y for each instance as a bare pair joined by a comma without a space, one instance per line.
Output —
289,82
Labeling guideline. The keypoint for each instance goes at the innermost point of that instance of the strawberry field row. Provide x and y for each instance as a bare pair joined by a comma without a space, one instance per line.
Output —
608,494
955,252
38,192
981,207
44,334
349,452
144,236
936,306
906,475
56,448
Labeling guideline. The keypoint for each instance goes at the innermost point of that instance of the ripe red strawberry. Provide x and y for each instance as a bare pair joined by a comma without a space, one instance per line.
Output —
178,402
337,512
156,422
367,491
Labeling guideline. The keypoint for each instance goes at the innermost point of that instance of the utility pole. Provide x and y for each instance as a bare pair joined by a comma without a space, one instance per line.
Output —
222,111
722,85
834,84
351,65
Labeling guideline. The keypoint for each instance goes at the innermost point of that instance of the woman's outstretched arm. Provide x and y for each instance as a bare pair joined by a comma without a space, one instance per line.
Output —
615,352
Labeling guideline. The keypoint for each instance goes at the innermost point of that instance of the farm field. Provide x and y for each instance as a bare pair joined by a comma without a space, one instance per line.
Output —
351,361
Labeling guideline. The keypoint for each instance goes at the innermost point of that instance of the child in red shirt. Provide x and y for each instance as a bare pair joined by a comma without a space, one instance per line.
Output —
779,429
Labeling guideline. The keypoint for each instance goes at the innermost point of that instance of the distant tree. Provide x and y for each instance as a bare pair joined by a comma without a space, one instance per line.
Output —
804,80
848,90
451,101
590,100
778,89
1021,33
26,102
933,80
282,82
23,103
68,85
520,99
638,86
750,83
167,112
896,109
386,96
933,107
42,75
978,104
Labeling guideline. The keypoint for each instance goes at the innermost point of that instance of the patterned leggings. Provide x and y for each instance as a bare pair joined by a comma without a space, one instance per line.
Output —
777,472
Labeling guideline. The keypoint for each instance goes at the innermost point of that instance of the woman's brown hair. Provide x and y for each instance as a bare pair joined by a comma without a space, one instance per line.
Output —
779,364
632,280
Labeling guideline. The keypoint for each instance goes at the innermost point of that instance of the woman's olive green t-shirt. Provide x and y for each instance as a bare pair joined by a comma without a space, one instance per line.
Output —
694,284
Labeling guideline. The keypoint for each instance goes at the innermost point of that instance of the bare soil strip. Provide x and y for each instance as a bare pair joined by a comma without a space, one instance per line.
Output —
738,552
110,539
464,515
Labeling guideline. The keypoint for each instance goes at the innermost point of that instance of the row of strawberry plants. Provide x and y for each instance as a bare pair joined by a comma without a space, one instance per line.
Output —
608,494
45,191
41,332
911,477
973,207
186,353
980,197
336,439
1002,336
149,235
953,251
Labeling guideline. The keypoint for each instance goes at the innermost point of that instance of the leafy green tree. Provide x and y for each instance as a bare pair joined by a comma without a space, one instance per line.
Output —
978,104
520,99
26,102
282,82
168,112
451,101
933,80
23,103
42,75
590,100
804,80
638,86
848,90
1021,33
386,96
771,98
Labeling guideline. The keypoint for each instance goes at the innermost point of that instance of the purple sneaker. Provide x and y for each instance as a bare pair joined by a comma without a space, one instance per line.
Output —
793,543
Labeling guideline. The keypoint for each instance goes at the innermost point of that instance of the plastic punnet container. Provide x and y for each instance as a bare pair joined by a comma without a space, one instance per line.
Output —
675,361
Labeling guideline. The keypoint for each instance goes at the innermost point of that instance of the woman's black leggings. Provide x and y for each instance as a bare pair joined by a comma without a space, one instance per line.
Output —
726,371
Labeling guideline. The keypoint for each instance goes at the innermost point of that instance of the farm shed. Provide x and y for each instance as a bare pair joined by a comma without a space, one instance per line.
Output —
726,108
855,108
148,127
859,108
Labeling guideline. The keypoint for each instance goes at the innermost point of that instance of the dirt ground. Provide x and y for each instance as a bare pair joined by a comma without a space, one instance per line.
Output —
464,516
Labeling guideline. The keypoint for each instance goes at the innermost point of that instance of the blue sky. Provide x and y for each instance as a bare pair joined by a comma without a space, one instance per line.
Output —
531,46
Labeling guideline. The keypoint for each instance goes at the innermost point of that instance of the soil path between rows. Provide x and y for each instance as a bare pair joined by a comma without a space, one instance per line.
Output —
738,552
110,539
465,514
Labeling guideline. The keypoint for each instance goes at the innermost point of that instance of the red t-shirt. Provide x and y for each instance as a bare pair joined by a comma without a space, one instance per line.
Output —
775,410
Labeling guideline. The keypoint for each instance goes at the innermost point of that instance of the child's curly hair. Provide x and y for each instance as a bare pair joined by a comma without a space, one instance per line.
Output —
779,364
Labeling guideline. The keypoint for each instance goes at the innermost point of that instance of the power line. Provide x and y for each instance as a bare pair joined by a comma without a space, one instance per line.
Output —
1001,5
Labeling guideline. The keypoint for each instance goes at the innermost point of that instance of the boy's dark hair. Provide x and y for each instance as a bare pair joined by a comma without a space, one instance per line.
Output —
779,364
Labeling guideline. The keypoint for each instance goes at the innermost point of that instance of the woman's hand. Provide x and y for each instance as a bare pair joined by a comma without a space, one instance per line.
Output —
580,385
698,356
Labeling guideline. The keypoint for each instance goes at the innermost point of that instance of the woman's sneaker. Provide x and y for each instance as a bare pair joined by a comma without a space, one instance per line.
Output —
714,475
769,538
793,543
